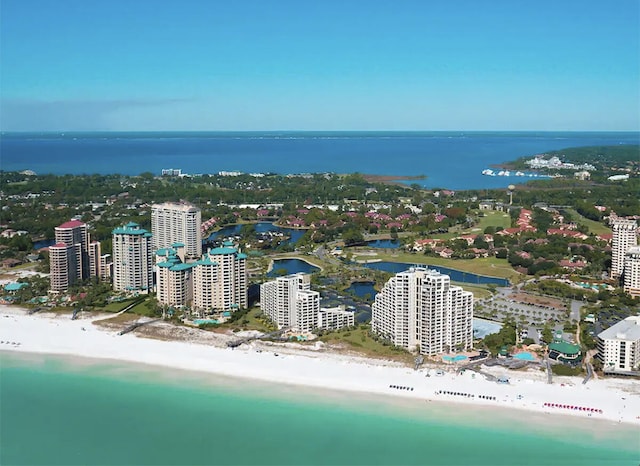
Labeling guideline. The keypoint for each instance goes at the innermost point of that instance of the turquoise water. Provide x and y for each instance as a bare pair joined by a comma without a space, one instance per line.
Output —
57,412
205,321
459,357
524,355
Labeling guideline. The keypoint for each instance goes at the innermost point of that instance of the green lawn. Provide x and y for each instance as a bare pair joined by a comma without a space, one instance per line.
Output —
358,340
117,306
479,291
145,308
596,228
491,218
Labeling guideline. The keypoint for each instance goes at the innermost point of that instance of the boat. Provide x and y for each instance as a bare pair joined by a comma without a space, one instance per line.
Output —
519,174
488,172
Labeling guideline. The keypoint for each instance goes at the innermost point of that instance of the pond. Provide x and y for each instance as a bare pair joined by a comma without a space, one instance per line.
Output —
290,266
384,243
362,289
44,243
260,227
456,275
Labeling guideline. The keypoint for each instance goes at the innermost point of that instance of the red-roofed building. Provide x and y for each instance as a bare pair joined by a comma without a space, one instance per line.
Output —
71,224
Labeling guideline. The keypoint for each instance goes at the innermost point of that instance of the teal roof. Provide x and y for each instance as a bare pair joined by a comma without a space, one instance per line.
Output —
205,261
131,228
14,286
241,256
563,347
223,250
163,252
174,263
227,243
177,245
180,267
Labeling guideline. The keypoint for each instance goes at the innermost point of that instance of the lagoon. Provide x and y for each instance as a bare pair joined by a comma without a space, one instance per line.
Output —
260,227
290,266
384,244
456,275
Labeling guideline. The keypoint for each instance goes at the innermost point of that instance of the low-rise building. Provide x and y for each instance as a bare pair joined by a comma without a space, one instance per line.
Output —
333,318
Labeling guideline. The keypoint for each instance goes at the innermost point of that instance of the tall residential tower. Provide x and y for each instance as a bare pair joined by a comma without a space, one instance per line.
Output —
624,237
177,222
73,257
132,259
419,308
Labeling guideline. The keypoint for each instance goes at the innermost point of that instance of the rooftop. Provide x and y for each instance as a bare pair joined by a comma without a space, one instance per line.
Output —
223,250
72,224
627,329
563,347
130,228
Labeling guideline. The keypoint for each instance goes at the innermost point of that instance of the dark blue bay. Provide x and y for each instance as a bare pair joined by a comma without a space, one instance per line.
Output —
451,160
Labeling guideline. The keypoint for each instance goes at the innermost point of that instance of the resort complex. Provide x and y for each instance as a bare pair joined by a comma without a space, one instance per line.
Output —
215,283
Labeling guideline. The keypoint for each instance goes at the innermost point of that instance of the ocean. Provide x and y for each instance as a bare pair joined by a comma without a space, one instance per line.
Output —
63,411
452,160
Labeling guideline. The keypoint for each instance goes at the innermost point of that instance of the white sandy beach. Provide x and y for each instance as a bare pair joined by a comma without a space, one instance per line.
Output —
616,400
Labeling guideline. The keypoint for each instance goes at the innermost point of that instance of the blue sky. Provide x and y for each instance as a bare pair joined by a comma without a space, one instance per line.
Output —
319,65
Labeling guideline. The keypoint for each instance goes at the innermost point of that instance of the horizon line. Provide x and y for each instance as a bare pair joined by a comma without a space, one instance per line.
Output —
321,131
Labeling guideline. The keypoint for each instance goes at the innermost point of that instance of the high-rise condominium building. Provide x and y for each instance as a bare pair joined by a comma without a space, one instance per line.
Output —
62,267
174,286
619,346
278,298
73,257
220,280
177,222
631,271
624,237
290,303
420,308
132,259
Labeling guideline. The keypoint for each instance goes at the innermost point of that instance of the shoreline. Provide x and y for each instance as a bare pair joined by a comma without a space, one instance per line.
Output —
283,364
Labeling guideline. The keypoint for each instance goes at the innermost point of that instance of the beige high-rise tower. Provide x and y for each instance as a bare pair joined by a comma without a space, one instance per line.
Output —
177,222
73,257
625,236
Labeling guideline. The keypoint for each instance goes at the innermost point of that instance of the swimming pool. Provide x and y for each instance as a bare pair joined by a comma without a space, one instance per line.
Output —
205,321
525,356
457,358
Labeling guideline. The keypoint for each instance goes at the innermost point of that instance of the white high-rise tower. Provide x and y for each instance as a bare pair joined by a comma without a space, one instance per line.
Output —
420,308
132,259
